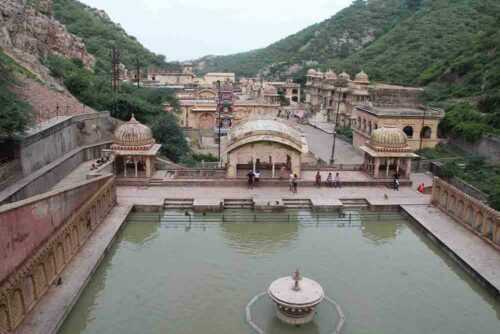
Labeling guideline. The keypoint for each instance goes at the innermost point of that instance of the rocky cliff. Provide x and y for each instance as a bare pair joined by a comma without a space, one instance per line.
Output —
29,33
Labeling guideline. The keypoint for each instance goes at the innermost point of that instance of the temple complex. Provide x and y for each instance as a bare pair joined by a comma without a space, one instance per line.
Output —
366,106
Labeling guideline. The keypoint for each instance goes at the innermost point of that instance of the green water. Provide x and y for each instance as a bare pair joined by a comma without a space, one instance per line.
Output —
173,278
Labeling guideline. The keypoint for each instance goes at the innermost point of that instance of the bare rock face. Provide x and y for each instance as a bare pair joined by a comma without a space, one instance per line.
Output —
29,34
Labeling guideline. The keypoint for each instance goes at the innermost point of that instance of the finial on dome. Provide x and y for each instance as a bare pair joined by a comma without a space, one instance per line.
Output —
296,277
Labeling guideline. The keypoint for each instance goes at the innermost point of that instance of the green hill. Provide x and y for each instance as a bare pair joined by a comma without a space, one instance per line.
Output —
348,31
100,35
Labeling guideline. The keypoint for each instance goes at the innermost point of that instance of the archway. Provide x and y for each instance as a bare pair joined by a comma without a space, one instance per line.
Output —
426,132
207,121
408,130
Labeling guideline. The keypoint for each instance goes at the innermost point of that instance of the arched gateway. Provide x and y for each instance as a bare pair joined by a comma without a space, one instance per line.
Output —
265,145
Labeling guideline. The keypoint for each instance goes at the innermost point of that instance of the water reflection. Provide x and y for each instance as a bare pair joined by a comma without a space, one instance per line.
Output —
380,232
139,233
263,238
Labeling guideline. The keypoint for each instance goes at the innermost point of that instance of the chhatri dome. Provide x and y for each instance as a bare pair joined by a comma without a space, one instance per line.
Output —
311,72
389,139
331,75
132,136
345,76
362,78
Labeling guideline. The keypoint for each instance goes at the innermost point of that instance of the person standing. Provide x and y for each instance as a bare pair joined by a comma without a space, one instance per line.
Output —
318,179
257,177
329,180
336,182
295,183
250,176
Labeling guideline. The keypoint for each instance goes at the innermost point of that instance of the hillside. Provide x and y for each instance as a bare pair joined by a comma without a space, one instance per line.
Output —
100,34
398,41
348,31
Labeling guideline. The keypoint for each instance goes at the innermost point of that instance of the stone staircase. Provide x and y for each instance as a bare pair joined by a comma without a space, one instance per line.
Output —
297,203
178,203
243,203
354,203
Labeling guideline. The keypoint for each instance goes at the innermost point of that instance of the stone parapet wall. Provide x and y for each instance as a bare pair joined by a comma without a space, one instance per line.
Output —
45,178
468,211
42,147
40,236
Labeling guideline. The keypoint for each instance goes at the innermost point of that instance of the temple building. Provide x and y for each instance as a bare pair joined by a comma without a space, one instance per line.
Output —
387,154
256,89
364,106
398,107
134,150
199,108
265,145
328,92
161,77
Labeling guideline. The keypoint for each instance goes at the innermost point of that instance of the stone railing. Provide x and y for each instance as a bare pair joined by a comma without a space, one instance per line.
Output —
468,211
25,285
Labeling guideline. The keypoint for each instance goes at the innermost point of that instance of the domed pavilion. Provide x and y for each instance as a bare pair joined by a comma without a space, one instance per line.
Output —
387,153
266,144
134,150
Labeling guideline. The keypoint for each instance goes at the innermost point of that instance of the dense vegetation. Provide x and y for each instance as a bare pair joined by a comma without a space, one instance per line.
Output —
100,35
15,114
93,88
147,104
472,169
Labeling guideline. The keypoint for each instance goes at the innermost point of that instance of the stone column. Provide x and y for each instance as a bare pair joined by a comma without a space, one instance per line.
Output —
387,164
124,166
148,167
397,165
408,168
273,170
135,166
376,168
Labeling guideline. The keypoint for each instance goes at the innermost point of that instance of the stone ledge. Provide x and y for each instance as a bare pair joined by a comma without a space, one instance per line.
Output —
50,313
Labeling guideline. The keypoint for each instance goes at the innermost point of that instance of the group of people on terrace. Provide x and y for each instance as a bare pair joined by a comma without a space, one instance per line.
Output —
331,181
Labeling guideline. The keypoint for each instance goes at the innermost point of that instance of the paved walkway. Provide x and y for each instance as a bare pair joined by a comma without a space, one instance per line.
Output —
55,305
479,255
323,195
320,144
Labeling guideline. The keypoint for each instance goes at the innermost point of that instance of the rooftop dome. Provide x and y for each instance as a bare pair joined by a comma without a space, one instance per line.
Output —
311,72
345,76
389,139
331,75
132,135
361,77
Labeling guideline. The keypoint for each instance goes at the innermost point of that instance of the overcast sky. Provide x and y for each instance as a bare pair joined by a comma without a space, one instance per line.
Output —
189,29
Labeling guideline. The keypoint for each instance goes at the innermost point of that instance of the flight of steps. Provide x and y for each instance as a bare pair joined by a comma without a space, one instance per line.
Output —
354,203
297,203
178,203
244,203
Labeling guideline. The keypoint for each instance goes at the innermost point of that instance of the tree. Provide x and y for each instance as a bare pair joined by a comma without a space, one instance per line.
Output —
170,136
15,114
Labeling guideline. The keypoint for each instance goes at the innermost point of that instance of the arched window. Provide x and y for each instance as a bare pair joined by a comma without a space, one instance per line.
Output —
408,130
426,132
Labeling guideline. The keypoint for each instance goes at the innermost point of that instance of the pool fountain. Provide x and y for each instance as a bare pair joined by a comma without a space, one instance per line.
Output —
296,298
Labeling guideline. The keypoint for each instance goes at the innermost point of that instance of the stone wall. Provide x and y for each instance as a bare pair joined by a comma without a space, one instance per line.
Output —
468,211
40,236
42,147
488,147
45,178
29,33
